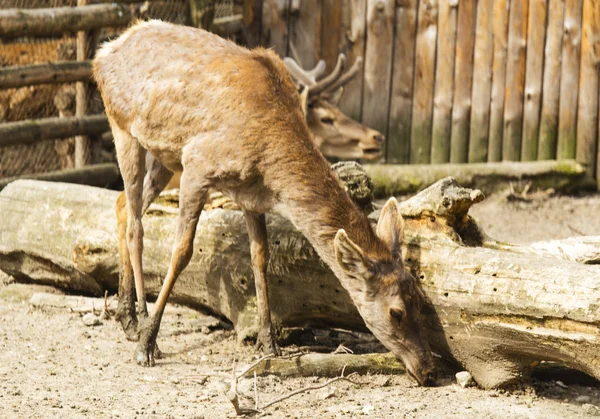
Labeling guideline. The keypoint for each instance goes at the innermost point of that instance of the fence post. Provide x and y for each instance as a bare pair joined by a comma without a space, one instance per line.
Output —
86,44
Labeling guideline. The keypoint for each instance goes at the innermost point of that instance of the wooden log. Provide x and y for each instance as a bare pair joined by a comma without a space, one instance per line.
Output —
495,312
463,81
58,20
32,131
378,64
331,36
353,28
444,82
399,130
390,180
551,85
587,112
55,73
422,111
482,83
515,76
569,81
228,25
100,175
536,35
584,249
275,23
305,33
500,36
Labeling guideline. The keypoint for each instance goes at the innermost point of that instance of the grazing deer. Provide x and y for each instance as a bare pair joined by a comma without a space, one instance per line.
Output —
183,99
334,133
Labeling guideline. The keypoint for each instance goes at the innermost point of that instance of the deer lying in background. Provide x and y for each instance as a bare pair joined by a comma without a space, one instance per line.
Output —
231,119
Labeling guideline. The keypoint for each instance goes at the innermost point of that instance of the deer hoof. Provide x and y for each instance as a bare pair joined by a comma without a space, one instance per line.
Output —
144,356
265,341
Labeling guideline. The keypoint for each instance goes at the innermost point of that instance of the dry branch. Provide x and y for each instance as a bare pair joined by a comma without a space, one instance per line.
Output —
496,309
57,72
32,131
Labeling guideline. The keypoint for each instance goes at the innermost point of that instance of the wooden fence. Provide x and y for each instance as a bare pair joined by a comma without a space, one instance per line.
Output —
459,80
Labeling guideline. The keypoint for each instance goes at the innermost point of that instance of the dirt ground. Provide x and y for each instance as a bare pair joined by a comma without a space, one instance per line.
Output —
52,365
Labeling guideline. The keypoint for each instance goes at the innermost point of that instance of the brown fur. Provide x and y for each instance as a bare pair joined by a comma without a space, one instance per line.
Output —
231,119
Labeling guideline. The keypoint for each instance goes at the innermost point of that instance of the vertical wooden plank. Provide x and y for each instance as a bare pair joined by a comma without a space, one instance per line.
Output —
587,112
305,32
551,84
86,45
275,25
398,142
536,35
331,33
422,111
354,20
482,83
463,81
569,80
444,82
378,63
500,38
252,18
515,80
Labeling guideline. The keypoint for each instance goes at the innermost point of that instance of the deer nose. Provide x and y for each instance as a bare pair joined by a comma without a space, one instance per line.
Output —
379,138
430,378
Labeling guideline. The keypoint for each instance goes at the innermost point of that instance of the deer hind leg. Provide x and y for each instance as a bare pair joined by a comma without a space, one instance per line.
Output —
192,196
259,250
157,177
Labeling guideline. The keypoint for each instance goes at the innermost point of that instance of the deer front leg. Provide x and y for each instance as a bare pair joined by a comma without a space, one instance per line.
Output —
259,251
192,197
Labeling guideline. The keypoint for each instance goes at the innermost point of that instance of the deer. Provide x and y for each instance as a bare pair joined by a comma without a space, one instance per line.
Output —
182,99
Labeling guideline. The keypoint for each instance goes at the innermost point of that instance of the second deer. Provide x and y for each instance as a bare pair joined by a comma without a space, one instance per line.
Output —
231,119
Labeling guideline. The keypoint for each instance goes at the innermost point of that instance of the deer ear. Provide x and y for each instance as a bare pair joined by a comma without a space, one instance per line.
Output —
336,96
304,100
390,227
350,257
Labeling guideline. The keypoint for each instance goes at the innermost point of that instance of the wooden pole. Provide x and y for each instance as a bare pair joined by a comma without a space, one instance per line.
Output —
533,79
401,102
422,112
515,80
305,33
569,80
482,83
551,85
463,81
275,25
100,175
58,20
55,73
32,131
500,36
378,64
587,113
444,82
86,45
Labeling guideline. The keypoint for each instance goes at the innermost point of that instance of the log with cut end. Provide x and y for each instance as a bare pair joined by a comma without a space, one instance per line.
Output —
496,310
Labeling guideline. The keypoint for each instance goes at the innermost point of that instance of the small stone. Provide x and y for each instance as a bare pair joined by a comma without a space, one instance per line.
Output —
583,399
367,410
590,409
464,379
91,319
561,384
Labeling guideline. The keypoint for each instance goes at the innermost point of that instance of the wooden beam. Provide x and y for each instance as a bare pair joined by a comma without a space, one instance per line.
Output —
32,131
101,175
58,20
54,73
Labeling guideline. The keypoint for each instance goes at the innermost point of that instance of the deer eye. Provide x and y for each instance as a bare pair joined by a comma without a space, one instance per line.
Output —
397,313
327,120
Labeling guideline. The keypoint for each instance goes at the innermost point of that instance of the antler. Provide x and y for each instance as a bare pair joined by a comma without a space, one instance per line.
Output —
331,82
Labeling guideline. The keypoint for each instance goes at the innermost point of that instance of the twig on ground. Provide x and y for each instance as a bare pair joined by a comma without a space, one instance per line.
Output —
342,349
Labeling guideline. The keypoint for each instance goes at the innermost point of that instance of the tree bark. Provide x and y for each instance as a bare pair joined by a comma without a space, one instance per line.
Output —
496,309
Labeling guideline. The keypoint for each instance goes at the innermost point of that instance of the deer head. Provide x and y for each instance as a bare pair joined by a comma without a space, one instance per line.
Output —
335,134
387,295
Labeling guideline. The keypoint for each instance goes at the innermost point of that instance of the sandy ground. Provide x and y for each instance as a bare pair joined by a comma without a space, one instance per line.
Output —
53,366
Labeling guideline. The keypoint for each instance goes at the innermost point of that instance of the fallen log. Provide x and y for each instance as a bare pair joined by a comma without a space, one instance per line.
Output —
56,73
392,179
496,311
